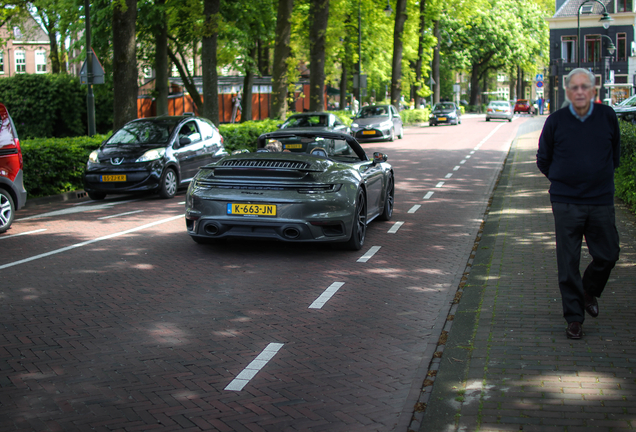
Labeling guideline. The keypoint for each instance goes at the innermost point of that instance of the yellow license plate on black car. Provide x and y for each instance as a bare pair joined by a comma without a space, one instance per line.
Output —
368,132
114,178
442,119
251,209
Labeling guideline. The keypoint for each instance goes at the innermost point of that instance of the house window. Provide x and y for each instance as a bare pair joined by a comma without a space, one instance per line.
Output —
40,61
592,48
20,62
568,49
1,62
623,5
621,47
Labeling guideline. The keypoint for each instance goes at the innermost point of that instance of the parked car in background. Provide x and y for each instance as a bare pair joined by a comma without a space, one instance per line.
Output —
523,106
157,154
626,110
12,192
299,186
377,122
315,121
499,110
445,112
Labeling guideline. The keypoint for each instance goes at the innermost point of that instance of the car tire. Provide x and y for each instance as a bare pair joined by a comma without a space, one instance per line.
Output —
487,119
392,136
7,210
96,196
168,184
359,228
401,135
389,201
509,120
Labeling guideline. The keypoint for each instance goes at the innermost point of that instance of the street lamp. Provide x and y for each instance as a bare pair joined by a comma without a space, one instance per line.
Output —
611,48
387,10
606,19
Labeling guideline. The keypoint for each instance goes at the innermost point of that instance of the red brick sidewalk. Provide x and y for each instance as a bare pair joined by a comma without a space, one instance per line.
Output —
507,364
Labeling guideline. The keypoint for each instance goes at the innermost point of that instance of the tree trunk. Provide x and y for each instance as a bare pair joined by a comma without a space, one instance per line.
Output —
161,63
396,66
248,83
124,63
436,61
54,55
343,87
512,83
208,61
474,86
188,81
281,53
420,56
317,39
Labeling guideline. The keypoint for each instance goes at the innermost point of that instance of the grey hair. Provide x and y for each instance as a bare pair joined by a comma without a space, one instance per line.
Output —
577,71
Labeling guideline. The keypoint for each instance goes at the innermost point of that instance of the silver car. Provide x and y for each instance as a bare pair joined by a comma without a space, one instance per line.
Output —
299,186
499,110
377,122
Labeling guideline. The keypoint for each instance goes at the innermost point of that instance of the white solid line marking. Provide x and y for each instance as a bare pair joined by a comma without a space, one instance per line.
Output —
120,214
439,185
456,168
449,175
428,194
396,226
254,367
367,256
77,245
24,233
414,208
70,210
326,295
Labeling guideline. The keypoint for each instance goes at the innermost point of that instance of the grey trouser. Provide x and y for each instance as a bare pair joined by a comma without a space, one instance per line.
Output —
597,224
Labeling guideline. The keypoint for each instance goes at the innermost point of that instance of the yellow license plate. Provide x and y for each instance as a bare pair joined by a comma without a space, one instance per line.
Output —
442,119
114,178
251,209
368,132
293,146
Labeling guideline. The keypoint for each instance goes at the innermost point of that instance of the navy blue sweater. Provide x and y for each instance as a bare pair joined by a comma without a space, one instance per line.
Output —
579,158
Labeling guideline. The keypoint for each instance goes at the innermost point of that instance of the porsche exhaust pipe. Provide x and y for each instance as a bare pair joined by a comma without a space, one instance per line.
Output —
211,229
291,233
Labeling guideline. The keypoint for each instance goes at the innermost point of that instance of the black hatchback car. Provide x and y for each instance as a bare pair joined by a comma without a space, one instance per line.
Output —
157,154
445,112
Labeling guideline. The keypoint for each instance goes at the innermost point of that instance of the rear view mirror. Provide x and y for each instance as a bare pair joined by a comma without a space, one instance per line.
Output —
379,157
184,141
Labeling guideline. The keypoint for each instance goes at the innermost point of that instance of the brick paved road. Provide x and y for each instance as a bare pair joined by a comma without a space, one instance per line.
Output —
124,323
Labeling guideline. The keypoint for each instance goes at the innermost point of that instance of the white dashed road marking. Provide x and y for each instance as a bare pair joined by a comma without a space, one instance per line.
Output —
395,227
120,214
428,195
439,185
414,208
326,295
367,256
254,367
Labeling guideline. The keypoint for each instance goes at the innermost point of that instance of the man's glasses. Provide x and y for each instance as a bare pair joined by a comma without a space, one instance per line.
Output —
584,87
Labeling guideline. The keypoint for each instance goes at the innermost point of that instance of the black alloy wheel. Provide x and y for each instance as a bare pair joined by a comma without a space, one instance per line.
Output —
387,211
359,229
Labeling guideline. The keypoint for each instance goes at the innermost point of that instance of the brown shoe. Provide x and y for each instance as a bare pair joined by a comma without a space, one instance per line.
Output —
591,305
574,331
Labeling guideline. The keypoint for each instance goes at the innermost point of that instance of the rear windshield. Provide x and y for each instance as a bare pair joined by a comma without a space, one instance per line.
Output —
143,132
500,104
444,106
315,146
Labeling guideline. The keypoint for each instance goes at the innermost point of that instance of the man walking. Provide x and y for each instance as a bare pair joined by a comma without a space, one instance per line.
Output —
579,149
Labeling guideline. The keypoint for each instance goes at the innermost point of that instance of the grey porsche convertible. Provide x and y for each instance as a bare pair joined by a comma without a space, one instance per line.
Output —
300,186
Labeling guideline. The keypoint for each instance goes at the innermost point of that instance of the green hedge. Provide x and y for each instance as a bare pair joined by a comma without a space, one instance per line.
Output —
239,136
625,175
47,105
55,165
415,116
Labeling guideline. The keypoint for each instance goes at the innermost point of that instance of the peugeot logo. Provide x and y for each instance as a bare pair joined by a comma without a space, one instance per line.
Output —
117,160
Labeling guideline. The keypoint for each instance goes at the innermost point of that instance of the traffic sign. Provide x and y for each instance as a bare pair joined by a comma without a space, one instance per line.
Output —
539,77
540,84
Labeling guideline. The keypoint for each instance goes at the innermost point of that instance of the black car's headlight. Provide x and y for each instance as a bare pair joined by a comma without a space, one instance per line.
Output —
151,155
93,157
320,189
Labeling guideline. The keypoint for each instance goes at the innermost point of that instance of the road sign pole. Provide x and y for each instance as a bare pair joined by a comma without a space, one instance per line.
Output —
90,98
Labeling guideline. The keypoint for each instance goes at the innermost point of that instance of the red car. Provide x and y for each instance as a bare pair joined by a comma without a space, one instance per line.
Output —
12,193
523,106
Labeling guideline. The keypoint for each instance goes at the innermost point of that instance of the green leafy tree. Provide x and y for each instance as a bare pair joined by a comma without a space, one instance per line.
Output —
282,52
